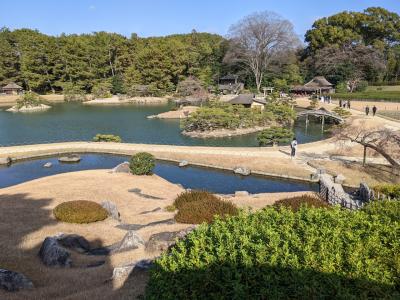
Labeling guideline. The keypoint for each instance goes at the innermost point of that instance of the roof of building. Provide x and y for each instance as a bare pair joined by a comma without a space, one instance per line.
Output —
12,86
318,81
243,99
229,77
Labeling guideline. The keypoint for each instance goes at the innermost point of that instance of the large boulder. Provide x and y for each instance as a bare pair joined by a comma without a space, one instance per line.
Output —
71,158
162,241
5,161
53,255
242,171
122,168
183,163
130,241
74,242
123,272
112,209
13,281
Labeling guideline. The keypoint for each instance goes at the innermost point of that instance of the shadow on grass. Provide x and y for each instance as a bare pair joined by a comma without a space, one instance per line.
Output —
229,281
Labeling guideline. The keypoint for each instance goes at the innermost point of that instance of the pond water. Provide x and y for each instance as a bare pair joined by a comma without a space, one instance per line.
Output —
213,180
77,122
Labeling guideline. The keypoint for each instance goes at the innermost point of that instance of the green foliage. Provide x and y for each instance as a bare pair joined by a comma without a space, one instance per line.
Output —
196,207
295,203
279,253
80,211
391,191
274,135
314,103
341,87
281,111
342,112
29,99
390,96
142,163
117,85
362,86
107,138
102,90
220,115
72,92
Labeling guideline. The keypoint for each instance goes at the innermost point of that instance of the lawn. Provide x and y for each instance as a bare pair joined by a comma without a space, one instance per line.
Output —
391,96
386,88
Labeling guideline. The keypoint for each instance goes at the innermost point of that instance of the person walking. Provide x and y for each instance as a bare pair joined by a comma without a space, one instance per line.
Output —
374,109
367,110
340,103
293,146
348,104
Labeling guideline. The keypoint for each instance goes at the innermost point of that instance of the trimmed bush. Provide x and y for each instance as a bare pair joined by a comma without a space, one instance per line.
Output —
295,203
80,211
342,112
384,191
29,99
274,135
195,207
281,254
142,163
107,138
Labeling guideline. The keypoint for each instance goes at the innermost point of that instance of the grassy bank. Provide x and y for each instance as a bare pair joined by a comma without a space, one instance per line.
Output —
391,96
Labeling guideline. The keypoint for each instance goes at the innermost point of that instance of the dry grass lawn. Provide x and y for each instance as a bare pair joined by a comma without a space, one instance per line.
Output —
26,219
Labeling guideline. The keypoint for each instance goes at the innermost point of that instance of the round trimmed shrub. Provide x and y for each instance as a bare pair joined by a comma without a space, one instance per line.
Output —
295,203
281,254
80,211
196,207
107,138
142,163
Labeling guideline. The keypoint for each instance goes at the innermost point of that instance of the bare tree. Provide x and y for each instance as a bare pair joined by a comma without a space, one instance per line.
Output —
384,141
351,63
258,39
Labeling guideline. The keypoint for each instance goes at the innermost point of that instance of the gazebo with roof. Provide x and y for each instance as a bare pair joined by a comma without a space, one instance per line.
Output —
12,89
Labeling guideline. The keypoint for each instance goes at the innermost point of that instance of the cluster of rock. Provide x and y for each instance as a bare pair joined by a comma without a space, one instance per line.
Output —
242,171
71,158
13,281
5,161
29,108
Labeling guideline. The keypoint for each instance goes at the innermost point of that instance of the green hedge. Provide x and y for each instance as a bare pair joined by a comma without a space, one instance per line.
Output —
107,138
390,96
281,254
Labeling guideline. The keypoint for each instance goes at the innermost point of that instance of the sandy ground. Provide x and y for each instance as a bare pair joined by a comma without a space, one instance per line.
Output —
11,100
26,219
181,113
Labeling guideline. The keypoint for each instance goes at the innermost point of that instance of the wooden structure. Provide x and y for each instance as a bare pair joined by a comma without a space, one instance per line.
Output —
322,113
230,84
12,89
318,85
248,100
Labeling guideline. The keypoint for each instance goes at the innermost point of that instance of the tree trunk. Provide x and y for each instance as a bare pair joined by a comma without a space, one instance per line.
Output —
365,156
392,161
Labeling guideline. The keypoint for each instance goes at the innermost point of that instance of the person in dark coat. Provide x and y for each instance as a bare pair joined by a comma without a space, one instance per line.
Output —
374,109
367,110
348,104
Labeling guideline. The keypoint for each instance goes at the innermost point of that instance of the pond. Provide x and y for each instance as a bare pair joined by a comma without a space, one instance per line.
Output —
213,180
77,122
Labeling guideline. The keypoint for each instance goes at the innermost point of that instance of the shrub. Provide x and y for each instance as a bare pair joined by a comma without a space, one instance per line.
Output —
107,138
72,92
362,86
142,163
29,99
102,90
280,254
80,211
391,191
274,135
295,203
342,112
195,207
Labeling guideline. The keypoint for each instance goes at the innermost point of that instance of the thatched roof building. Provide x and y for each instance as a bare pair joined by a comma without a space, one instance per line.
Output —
12,89
318,84
247,100
229,84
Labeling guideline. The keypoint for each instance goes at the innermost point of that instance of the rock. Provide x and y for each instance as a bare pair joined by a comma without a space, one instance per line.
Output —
75,242
242,171
13,281
340,179
112,209
241,193
122,168
5,161
140,226
151,211
53,255
183,163
123,272
47,165
162,241
314,176
72,158
29,108
130,241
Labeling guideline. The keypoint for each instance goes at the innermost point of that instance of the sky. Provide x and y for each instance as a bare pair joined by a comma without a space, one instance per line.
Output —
158,18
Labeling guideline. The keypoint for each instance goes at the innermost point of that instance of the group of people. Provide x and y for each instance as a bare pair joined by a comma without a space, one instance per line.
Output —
345,104
374,110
